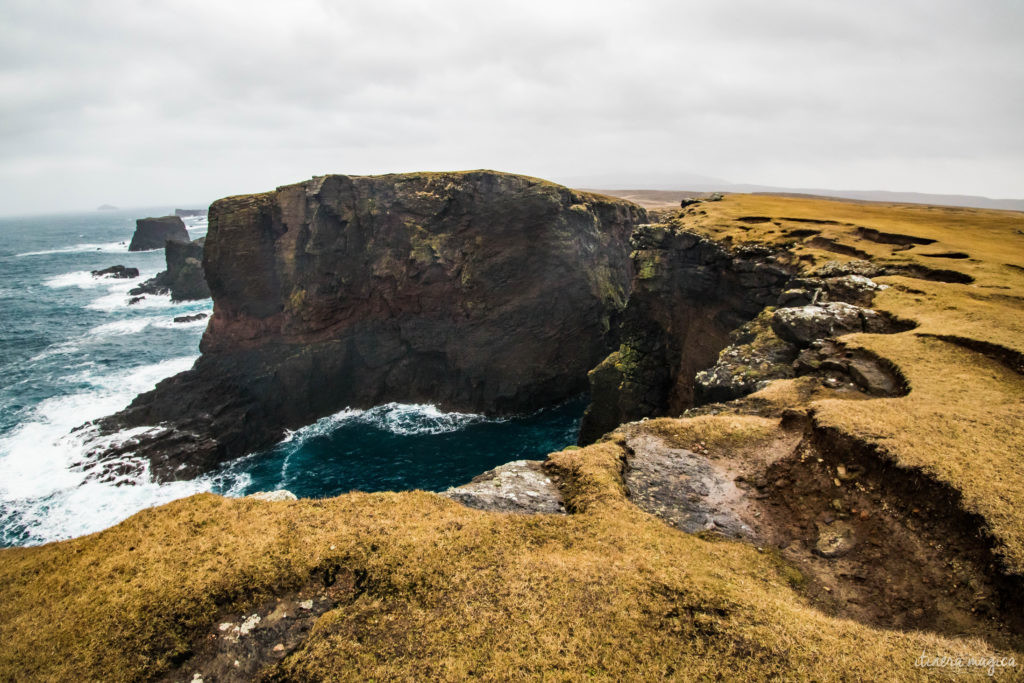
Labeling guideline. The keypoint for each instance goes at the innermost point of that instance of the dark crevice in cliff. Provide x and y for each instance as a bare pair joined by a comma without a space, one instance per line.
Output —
689,294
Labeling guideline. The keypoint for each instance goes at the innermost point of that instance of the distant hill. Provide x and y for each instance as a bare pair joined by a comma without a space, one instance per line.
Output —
106,207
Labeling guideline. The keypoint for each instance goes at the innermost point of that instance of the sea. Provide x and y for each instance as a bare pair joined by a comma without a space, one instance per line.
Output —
72,349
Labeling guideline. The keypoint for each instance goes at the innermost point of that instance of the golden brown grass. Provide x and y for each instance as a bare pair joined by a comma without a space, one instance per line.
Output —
963,420
448,593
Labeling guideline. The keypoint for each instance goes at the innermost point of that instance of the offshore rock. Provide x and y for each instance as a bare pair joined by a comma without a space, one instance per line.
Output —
184,278
153,233
475,291
117,272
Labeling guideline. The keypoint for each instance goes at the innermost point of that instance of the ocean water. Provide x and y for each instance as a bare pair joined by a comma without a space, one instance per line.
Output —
72,350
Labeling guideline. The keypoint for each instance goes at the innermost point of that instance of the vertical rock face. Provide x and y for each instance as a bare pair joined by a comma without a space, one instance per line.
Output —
688,295
184,279
185,276
153,233
477,291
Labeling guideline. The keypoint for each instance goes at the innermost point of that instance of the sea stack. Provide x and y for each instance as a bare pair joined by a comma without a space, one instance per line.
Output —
475,291
184,278
153,233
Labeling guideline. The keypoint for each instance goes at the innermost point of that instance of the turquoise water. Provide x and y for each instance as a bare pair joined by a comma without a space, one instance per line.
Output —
72,350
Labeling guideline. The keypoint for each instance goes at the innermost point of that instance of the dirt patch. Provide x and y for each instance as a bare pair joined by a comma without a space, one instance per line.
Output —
826,244
802,232
754,219
925,273
816,221
948,254
870,542
873,235
912,557
240,646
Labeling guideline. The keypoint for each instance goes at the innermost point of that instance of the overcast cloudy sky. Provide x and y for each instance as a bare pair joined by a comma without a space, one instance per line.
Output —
162,102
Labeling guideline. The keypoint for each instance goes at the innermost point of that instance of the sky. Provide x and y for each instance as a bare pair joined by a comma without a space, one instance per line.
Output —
160,102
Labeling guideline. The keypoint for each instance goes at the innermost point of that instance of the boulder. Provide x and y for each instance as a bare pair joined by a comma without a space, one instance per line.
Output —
803,324
835,539
154,233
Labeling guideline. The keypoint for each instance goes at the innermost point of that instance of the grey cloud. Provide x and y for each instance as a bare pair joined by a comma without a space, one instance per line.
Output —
166,101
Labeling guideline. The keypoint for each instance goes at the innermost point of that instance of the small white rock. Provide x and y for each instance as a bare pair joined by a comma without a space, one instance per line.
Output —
306,604
249,624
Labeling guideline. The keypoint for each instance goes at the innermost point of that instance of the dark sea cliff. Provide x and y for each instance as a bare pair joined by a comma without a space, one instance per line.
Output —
72,349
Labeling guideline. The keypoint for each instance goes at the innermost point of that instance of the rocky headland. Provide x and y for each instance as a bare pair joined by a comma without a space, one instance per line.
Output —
476,291
154,233
802,457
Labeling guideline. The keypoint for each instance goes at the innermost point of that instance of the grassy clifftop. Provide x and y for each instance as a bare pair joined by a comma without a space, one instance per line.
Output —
412,585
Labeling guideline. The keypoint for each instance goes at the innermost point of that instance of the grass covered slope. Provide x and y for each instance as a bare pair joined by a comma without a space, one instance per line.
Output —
415,586
963,419
437,591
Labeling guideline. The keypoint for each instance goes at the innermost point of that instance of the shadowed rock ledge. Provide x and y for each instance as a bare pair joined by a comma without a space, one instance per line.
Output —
477,291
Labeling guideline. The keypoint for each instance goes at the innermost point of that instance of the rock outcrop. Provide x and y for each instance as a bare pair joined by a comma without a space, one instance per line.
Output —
117,272
154,233
184,278
689,294
519,486
476,291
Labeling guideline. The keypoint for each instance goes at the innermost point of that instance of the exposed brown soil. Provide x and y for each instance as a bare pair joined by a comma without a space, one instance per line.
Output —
873,543
873,235
242,646
835,247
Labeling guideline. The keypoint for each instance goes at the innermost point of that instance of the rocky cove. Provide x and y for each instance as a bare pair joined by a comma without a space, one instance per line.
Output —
766,380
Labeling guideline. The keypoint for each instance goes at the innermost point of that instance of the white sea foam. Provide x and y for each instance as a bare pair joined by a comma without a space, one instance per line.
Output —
118,297
38,479
120,327
81,248
83,279
398,418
